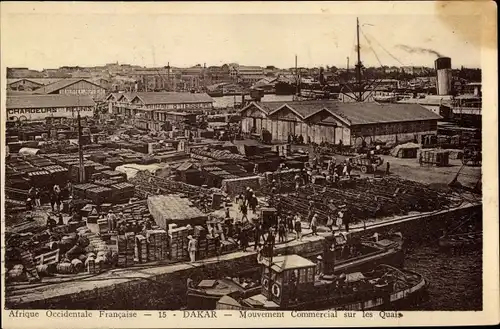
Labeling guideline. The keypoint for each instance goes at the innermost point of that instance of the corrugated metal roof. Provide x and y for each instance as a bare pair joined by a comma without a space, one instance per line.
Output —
354,113
42,81
61,84
47,101
149,98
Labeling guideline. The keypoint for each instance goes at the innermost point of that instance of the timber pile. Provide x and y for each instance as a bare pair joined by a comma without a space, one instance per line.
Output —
364,199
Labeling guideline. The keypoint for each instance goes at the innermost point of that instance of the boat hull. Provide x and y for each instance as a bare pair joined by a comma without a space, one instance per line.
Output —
198,299
398,300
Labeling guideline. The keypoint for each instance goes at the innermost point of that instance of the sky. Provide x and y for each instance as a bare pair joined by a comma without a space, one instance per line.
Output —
48,35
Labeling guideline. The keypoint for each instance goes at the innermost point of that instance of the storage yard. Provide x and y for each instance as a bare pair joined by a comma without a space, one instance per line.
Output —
145,192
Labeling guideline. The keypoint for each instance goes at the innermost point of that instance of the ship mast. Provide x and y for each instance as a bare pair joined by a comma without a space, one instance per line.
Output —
358,65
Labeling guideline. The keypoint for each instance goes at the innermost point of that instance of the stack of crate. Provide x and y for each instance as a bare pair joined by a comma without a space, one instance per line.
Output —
122,250
103,225
178,243
130,251
157,244
141,249
211,250
126,249
200,234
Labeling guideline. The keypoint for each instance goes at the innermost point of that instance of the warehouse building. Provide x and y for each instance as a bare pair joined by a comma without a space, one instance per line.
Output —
29,84
154,103
40,107
75,86
152,110
332,121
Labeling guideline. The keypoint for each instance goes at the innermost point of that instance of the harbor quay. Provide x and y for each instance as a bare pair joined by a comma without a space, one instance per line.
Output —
164,286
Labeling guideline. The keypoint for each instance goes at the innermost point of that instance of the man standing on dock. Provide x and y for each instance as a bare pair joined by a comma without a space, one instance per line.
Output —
192,249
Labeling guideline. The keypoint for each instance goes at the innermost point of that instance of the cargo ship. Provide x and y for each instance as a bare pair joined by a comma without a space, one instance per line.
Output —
341,255
292,282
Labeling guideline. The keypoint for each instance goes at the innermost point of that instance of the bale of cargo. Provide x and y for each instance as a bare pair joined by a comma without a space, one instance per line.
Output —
74,252
167,209
65,268
17,273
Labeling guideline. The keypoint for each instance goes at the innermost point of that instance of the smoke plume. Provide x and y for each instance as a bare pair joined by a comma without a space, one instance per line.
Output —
419,50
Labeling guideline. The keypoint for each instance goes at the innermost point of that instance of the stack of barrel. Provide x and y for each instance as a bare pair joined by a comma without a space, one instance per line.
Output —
178,243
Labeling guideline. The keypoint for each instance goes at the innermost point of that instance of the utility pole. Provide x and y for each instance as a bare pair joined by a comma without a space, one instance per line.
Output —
80,149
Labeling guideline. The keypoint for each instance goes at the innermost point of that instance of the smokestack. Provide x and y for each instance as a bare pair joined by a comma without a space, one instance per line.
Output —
444,82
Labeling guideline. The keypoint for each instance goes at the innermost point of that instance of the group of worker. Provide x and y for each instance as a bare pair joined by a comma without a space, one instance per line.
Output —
55,197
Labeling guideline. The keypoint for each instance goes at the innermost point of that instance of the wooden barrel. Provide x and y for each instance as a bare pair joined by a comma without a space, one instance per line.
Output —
46,270
65,268
77,265
99,264
90,264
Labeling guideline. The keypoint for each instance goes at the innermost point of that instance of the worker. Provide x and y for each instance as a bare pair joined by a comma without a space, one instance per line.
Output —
60,219
281,230
257,234
314,224
340,218
192,248
52,197
227,213
31,194
38,203
344,169
244,211
310,211
347,219
387,168
298,228
111,221
256,169
50,222
329,222
29,203
297,182
253,203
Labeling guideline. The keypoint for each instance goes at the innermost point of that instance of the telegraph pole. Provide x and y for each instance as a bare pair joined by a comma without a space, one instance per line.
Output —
80,150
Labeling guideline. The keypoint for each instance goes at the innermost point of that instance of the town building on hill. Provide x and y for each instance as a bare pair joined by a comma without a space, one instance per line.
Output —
332,121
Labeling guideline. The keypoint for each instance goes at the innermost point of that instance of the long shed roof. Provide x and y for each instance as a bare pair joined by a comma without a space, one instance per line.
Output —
48,101
352,113
149,98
